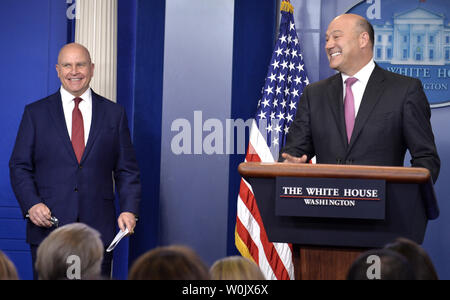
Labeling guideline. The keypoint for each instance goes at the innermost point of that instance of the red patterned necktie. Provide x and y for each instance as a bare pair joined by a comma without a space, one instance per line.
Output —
77,130
349,107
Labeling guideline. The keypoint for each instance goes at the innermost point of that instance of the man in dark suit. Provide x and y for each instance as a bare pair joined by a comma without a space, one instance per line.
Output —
73,149
363,115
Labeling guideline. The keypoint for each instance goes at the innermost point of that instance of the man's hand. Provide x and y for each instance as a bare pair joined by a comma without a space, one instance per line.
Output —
40,215
127,220
293,159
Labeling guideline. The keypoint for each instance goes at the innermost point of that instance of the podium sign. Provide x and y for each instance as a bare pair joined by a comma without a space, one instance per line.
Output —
330,198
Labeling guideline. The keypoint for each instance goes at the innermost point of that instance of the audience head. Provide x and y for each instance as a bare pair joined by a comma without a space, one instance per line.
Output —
7,268
67,246
381,264
169,263
417,257
235,268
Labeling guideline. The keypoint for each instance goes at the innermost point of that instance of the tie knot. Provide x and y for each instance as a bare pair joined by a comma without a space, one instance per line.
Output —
350,81
77,101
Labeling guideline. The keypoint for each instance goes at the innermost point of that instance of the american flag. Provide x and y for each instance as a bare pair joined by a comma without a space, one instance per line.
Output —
276,110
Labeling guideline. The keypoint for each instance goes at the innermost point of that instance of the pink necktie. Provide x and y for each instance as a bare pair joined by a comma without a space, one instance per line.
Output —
349,107
77,130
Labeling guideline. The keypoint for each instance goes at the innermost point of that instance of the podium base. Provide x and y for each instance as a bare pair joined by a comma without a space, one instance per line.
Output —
323,263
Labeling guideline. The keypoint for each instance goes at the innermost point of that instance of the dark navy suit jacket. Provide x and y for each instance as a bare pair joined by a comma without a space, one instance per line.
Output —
44,168
394,116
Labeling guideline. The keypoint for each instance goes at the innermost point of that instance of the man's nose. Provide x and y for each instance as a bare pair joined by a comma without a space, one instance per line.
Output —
74,71
329,44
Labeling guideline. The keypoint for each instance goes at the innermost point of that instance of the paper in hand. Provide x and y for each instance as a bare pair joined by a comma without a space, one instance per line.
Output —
117,239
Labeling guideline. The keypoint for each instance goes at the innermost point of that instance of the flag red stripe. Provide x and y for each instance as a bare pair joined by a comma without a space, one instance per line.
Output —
270,251
252,155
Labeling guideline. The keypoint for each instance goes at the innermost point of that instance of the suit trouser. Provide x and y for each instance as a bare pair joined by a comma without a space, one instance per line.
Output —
106,263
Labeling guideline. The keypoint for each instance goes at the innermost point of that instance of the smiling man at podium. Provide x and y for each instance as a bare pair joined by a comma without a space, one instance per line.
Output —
363,115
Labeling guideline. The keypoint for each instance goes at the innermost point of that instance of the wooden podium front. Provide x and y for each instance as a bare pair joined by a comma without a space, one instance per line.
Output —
324,248
323,263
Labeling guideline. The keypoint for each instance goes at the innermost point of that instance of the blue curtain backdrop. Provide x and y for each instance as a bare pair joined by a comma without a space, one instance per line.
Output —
126,48
140,76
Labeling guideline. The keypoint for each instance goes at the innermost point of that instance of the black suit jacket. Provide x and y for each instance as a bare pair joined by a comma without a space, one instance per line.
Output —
394,116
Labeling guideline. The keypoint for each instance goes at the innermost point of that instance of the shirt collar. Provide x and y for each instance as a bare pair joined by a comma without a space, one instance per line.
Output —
363,75
67,97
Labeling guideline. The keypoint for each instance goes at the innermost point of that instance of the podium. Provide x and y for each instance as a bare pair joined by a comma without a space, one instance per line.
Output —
324,247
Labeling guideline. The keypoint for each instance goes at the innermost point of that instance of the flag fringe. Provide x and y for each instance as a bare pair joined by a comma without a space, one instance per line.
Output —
242,247
287,7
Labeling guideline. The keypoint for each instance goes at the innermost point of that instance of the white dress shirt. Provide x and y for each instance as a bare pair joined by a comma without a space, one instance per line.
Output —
85,108
359,86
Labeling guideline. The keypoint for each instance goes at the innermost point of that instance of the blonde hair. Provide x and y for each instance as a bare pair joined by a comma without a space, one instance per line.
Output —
236,268
73,239
7,268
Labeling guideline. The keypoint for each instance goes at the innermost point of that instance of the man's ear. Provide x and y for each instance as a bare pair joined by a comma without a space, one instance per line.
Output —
364,40
57,69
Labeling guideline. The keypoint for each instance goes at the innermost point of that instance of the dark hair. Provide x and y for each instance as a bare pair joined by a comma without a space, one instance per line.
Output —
393,266
367,27
417,257
169,263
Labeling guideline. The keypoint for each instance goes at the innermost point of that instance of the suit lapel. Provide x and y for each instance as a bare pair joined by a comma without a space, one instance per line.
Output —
57,114
371,96
335,100
97,118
